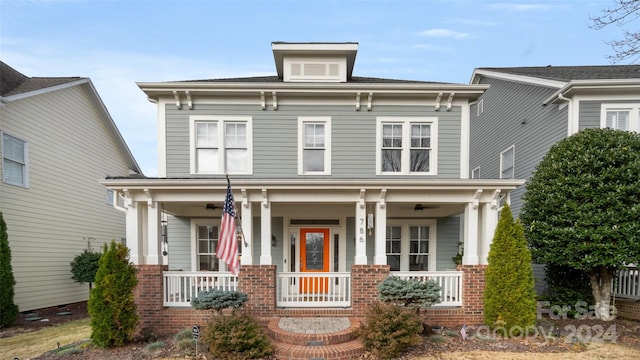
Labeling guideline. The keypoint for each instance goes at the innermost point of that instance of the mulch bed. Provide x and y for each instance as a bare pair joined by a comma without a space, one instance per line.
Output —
29,321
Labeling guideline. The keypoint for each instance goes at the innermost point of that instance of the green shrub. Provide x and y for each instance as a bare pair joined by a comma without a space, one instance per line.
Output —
567,286
85,265
509,296
154,346
236,337
390,330
410,293
185,341
219,300
111,305
8,309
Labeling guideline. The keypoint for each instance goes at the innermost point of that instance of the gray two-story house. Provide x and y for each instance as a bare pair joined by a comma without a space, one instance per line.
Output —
528,109
339,181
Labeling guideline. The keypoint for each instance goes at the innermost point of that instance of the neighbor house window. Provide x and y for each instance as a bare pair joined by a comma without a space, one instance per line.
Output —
314,145
507,160
406,145
620,116
475,173
15,166
220,145
480,107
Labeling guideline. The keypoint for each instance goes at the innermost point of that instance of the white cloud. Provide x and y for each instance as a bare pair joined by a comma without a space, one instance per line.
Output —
524,7
443,33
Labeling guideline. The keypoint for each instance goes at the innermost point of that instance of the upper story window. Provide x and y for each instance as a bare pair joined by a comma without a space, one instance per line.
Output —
480,107
407,145
314,145
475,173
620,116
507,163
220,144
15,161
325,69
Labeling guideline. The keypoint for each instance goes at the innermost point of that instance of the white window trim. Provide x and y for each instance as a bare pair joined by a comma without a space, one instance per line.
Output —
327,144
510,148
473,173
25,174
480,107
634,114
289,77
194,241
221,120
405,244
406,121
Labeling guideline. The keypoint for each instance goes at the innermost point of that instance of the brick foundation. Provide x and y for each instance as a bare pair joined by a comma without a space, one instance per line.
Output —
364,286
628,309
259,283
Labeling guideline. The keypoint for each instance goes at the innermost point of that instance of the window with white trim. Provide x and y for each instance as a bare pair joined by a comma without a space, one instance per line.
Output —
507,163
206,245
220,144
15,161
314,145
480,107
475,173
394,246
411,245
620,116
406,145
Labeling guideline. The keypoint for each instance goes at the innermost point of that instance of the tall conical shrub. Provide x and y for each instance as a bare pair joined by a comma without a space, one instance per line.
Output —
111,304
509,296
8,309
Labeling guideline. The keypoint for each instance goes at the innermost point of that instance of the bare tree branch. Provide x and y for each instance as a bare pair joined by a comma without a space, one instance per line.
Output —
621,15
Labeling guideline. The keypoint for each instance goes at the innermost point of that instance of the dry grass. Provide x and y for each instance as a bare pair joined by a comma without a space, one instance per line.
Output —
28,345
593,352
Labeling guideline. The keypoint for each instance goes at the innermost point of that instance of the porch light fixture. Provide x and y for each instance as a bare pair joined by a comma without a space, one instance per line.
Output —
419,207
163,234
273,240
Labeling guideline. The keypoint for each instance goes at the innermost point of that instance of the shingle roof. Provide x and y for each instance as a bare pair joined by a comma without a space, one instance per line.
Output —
568,73
276,79
12,82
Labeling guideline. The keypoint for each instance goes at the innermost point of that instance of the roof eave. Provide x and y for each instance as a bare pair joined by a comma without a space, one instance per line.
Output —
574,87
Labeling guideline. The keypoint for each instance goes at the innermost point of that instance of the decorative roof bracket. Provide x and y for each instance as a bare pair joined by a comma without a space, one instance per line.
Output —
263,104
495,199
177,97
189,102
476,198
265,199
369,101
450,101
358,101
438,101
150,202
275,100
245,199
362,202
383,198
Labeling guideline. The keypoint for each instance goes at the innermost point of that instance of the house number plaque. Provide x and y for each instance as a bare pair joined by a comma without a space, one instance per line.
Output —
361,230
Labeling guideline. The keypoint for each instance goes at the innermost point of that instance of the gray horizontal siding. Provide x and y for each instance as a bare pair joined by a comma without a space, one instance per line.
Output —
179,238
589,112
448,235
514,115
275,138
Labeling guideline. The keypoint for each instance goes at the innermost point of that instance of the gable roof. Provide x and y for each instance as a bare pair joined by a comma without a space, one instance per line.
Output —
13,82
568,73
14,86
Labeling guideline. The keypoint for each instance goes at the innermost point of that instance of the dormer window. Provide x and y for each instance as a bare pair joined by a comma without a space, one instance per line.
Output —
315,70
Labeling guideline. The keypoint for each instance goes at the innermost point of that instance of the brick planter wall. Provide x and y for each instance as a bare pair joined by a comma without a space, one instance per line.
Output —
364,286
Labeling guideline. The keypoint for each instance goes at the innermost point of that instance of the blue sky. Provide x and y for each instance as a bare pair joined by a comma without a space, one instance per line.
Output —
117,43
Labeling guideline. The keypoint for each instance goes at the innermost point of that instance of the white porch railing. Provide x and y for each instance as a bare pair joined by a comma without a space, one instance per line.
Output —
628,283
450,284
313,289
180,286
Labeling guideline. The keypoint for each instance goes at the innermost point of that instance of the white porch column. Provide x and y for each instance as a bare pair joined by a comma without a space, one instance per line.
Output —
361,232
489,223
133,234
247,229
265,230
380,257
470,256
154,248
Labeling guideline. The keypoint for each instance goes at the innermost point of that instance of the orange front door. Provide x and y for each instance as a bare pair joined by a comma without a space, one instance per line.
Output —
314,257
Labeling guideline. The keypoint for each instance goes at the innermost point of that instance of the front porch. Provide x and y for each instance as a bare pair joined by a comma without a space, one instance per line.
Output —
300,290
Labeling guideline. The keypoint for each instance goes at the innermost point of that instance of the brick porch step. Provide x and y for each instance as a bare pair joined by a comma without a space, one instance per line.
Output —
300,343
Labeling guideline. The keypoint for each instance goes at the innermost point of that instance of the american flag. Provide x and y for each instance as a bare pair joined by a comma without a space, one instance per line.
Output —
227,250
463,332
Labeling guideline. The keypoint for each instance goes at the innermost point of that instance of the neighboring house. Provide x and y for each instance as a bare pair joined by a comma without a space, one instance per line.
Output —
528,109
339,181
57,142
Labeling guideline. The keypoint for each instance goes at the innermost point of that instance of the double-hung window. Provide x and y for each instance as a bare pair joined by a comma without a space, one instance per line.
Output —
15,165
407,145
394,247
221,145
620,116
507,163
314,145
206,239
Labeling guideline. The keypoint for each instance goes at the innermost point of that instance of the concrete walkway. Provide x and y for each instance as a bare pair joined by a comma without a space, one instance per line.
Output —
313,325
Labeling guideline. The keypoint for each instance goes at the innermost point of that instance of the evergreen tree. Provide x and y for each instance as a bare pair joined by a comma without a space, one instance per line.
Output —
509,296
8,310
111,305
85,265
